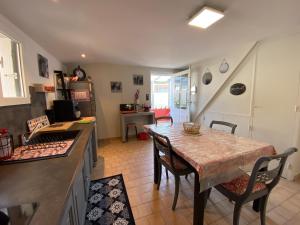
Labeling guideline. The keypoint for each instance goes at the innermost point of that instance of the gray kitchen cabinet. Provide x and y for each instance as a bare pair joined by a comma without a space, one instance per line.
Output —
76,204
94,144
87,172
91,155
79,197
69,217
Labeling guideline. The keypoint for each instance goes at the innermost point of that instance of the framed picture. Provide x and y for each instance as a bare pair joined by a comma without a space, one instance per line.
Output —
138,79
43,66
116,86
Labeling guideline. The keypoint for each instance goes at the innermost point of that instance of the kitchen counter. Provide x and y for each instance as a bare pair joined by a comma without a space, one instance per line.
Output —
47,182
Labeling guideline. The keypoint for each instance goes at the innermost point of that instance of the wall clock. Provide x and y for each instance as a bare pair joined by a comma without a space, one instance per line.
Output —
80,73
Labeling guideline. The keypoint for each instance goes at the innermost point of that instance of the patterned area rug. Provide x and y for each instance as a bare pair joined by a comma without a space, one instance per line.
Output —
108,203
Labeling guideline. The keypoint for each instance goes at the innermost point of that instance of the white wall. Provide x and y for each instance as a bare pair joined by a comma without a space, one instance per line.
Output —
266,111
30,50
107,103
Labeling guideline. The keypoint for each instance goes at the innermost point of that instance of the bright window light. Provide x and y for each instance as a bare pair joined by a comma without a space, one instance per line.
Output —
206,17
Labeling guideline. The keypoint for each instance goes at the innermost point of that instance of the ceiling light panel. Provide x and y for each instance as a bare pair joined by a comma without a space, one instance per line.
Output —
206,17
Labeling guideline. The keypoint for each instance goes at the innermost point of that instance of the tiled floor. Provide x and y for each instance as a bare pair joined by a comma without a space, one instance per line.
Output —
135,161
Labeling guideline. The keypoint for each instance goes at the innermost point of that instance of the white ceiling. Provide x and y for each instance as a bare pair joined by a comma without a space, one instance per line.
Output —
147,32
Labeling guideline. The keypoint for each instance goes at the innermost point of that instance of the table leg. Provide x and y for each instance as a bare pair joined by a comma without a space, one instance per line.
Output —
123,129
200,200
155,167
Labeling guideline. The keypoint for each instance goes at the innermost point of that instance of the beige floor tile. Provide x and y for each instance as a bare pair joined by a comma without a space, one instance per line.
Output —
142,221
294,221
155,219
150,206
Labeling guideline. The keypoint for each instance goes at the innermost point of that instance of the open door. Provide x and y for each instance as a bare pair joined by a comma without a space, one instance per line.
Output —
170,95
180,96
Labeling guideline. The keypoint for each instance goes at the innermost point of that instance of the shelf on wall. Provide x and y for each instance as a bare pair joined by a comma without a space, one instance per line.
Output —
44,88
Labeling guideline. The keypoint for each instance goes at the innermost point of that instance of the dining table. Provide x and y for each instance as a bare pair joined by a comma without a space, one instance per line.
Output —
215,156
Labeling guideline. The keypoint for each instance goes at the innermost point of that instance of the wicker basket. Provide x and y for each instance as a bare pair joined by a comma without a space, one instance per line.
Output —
191,128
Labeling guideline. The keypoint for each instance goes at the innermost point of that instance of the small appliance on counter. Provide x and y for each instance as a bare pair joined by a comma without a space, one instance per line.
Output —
18,215
65,110
127,108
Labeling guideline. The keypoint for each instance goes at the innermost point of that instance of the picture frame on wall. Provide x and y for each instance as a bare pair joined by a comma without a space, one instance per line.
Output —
43,66
138,79
116,86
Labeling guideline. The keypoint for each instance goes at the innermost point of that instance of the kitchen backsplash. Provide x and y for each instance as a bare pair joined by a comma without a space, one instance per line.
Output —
14,117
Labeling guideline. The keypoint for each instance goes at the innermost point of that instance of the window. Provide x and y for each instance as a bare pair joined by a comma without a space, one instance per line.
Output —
11,75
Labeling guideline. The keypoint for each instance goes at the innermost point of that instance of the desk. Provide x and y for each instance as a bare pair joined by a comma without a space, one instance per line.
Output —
215,156
136,117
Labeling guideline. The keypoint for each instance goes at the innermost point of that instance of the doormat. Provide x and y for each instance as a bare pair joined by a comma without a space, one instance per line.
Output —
108,203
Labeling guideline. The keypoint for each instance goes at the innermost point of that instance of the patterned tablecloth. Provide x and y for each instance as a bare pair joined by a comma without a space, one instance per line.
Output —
217,156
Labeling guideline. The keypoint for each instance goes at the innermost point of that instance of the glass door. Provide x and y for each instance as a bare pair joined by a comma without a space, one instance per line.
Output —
180,96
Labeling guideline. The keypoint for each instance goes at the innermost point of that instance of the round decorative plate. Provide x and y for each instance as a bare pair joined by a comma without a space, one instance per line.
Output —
224,67
237,89
207,78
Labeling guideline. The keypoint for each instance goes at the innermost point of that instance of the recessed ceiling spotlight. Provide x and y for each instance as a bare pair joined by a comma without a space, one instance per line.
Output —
206,17
83,55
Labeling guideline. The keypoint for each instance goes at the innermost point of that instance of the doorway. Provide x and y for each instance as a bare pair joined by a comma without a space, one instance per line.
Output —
170,95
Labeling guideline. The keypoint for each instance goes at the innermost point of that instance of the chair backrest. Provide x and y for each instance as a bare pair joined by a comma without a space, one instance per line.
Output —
261,172
227,124
164,118
163,144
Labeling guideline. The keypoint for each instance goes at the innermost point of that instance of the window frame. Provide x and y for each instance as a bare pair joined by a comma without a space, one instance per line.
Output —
25,99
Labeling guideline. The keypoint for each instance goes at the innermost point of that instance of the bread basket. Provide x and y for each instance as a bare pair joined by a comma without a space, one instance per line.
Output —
191,128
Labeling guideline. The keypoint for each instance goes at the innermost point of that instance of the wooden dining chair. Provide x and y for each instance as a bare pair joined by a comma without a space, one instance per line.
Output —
170,161
257,186
164,118
223,123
